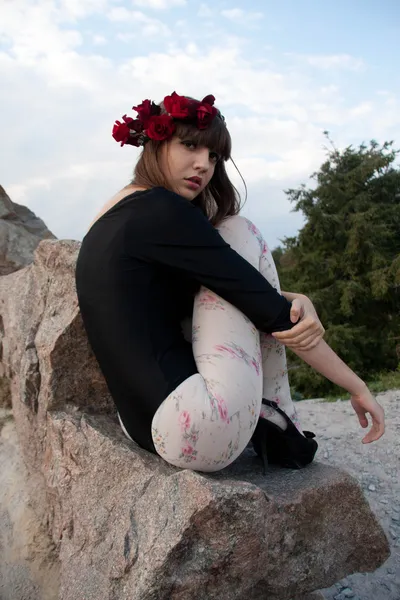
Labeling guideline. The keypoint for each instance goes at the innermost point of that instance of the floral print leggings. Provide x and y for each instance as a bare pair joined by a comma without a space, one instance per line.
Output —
208,420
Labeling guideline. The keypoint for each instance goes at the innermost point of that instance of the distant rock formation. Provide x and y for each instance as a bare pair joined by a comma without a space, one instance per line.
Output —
20,233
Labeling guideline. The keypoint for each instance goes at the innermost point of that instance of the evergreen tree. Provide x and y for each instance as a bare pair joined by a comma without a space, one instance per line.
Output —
346,258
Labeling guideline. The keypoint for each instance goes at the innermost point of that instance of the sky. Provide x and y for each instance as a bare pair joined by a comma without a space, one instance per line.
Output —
282,73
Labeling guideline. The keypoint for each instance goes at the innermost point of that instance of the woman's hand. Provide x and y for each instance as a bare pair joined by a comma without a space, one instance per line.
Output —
308,332
363,402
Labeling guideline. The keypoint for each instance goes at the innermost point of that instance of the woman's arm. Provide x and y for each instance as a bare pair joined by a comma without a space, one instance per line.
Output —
169,231
324,360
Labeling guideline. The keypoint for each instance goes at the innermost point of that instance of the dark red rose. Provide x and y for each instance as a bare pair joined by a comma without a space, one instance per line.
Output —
133,124
136,125
205,115
210,99
121,132
146,110
193,106
160,127
177,106
127,120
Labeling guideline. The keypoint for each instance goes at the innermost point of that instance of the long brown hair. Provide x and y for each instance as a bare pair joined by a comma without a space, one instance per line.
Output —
220,198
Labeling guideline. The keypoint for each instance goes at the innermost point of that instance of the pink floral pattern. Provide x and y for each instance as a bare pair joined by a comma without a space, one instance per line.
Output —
206,423
236,351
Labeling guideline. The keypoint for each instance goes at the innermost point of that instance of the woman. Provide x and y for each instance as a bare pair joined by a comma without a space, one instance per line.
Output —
171,245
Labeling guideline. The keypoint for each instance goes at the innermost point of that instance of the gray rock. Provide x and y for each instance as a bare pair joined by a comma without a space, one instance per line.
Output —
20,233
165,529
126,524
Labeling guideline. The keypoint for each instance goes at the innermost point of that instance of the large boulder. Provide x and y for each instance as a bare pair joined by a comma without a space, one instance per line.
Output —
20,233
128,525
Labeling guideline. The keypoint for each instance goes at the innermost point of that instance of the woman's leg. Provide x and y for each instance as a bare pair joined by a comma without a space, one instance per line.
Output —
275,374
206,423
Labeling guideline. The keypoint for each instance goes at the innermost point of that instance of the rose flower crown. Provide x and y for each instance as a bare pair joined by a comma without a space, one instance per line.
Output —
150,124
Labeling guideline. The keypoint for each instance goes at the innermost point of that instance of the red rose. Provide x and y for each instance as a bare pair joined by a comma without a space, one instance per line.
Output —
136,125
146,110
210,99
160,127
177,106
193,106
121,132
205,114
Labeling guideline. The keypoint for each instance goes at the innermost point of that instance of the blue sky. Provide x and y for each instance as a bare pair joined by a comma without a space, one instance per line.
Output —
282,73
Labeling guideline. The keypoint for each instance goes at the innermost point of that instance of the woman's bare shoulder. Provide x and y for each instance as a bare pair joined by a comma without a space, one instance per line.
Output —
126,191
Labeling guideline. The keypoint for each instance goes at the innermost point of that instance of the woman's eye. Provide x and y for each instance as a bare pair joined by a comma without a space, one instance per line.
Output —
189,144
214,156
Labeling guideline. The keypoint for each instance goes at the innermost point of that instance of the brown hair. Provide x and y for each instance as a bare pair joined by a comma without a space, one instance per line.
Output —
220,198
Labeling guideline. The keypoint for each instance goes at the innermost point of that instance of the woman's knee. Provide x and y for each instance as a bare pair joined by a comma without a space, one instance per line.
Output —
244,237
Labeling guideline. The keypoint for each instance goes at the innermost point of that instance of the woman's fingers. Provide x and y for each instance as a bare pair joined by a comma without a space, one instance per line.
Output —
378,425
363,405
303,336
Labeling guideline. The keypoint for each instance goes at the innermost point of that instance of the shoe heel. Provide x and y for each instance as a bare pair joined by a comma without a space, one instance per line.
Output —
264,457
259,441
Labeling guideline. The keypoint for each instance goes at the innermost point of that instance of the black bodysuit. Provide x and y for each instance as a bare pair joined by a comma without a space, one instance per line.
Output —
138,269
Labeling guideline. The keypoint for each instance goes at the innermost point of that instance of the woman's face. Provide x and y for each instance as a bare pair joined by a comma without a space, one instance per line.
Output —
187,166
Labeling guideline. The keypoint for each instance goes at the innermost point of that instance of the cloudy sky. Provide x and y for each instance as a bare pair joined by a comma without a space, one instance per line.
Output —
282,72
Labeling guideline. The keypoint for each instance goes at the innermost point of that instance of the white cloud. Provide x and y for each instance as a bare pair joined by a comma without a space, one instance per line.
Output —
205,11
99,40
77,9
362,109
145,25
31,30
332,61
159,4
240,16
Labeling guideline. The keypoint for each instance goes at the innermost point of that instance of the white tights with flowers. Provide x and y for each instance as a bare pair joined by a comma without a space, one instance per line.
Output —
208,420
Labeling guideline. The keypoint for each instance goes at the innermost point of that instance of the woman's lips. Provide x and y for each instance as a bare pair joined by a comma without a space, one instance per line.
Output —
193,184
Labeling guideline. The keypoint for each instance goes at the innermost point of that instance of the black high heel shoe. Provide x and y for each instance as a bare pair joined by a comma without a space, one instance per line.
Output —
286,448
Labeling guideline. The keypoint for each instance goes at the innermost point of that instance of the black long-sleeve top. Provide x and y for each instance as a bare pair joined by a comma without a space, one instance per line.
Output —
138,269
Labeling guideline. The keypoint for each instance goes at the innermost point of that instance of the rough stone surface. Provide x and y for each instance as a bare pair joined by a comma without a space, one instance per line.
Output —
29,568
45,352
20,233
5,392
128,525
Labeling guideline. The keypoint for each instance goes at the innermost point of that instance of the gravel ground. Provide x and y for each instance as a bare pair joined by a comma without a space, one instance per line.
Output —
377,467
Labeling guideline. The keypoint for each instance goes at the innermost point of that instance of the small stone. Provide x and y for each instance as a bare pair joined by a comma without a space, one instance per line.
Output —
390,571
393,533
371,487
347,593
396,518
384,501
326,454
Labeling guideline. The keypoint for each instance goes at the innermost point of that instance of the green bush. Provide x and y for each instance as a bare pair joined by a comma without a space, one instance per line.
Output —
346,258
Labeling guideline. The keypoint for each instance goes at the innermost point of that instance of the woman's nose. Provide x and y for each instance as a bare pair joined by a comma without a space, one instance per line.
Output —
202,158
